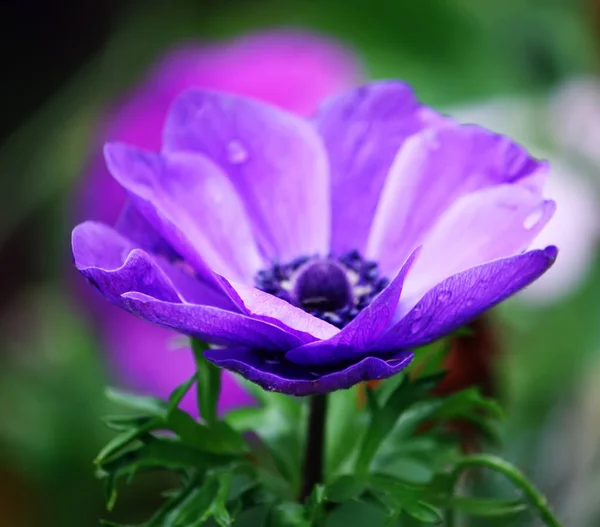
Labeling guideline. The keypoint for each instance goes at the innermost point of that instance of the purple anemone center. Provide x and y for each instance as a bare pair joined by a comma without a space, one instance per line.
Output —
333,289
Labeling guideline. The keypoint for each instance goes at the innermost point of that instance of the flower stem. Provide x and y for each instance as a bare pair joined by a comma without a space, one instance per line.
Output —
515,476
315,445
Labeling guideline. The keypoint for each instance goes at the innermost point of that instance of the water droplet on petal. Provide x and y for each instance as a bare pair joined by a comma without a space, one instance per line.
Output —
444,296
236,153
533,218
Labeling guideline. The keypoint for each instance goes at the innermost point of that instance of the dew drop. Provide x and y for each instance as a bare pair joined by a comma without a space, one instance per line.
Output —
533,218
444,296
236,153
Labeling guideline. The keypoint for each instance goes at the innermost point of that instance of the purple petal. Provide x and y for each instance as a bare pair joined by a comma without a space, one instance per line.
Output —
433,170
191,203
352,341
113,265
480,227
275,160
214,325
279,312
363,130
136,228
464,296
283,376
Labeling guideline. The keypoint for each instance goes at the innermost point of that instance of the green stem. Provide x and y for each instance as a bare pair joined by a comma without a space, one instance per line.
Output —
315,445
515,476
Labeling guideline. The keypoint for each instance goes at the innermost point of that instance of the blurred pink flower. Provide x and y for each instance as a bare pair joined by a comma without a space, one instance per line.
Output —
292,69
575,226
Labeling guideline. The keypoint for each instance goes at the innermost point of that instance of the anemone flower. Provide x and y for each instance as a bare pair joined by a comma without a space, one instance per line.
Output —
315,254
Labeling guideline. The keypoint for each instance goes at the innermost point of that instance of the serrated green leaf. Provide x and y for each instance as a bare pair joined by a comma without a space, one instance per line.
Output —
485,507
422,511
209,383
126,438
179,393
384,416
288,514
345,488
122,423
203,503
344,420
146,405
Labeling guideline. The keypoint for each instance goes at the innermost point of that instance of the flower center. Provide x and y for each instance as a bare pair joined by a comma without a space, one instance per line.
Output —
333,289
322,285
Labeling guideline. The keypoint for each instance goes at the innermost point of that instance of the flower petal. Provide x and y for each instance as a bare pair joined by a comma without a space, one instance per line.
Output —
211,324
114,265
294,379
351,342
363,130
431,171
275,160
480,227
190,202
276,311
464,296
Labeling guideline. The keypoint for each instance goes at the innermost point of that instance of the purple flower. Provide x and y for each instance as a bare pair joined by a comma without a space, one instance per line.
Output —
317,253
294,70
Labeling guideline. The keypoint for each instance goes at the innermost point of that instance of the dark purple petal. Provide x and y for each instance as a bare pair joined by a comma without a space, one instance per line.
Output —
363,130
279,375
211,324
352,341
275,160
434,169
464,296
192,204
276,311
113,265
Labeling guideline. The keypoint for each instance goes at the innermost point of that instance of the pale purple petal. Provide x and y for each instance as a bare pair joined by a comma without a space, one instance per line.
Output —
136,228
462,297
363,130
275,160
283,376
190,202
477,228
279,312
211,324
353,340
431,171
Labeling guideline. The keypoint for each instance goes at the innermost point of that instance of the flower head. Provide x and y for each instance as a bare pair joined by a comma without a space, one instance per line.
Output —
292,69
317,253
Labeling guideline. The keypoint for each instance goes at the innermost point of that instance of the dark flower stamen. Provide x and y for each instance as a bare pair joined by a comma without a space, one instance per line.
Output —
332,289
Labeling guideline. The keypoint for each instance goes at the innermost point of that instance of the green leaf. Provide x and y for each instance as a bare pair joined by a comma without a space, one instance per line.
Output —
123,423
209,383
288,514
345,488
154,453
126,438
201,504
179,393
422,511
146,405
384,414
485,507
344,420
315,505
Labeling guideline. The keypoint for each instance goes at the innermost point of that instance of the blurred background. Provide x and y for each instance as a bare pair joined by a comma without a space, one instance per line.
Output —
78,73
